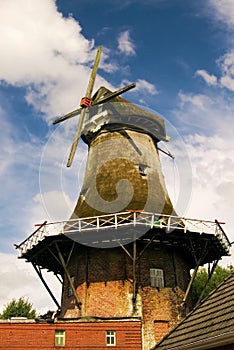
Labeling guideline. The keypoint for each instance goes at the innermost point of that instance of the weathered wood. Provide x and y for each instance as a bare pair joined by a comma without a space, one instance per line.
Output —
68,275
100,101
83,111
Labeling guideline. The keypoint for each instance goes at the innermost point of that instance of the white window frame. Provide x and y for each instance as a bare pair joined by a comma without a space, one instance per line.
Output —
59,337
156,278
110,338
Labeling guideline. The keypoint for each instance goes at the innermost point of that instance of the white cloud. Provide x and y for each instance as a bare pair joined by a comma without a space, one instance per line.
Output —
125,44
207,123
40,40
198,101
223,10
227,67
210,79
47,53
146,87
15,274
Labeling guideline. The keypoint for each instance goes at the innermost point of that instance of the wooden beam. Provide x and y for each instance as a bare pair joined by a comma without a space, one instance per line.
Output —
68,275
134,270
38,271
199,261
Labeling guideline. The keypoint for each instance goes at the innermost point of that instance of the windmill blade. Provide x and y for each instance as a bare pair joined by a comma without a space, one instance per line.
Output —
114,94
67,116
93,73
83,111
76,137
102,100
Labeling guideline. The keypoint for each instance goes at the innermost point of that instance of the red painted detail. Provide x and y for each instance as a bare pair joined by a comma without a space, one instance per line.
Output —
86,102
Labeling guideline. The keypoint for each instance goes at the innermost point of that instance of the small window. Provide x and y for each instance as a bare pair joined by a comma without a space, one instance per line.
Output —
156,278
110,338
142,169
70,291
59,339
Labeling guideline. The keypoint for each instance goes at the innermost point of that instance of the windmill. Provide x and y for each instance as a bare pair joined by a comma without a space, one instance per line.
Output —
124,131
123,205
86,103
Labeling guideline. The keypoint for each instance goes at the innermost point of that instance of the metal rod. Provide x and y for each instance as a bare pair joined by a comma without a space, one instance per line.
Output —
167,153
46,285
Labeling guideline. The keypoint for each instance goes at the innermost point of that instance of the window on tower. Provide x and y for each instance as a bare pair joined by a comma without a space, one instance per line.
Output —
59,338
156,278
142,169
110,338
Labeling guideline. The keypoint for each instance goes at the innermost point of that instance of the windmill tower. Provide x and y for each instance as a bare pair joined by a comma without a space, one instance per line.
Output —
124,253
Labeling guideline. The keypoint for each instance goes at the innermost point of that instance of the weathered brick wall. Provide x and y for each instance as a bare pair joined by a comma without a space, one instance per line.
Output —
83,336
159,306
161,327
104,283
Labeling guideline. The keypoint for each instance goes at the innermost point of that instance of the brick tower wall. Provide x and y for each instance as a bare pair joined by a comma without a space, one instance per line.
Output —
104,284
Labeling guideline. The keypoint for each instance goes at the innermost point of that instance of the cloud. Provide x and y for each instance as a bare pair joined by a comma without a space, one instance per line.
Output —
206,122
226,63
207,114
223,10
210,79
41,41
15,275
145,86
125,44
197,100
46,53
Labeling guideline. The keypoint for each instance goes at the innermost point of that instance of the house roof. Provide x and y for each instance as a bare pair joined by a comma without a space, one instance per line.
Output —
210,322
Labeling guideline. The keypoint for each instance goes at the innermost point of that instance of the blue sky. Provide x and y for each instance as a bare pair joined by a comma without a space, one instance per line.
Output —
181,55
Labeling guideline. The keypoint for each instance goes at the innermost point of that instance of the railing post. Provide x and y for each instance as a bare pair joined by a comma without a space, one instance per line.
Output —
169,223
201,229
116,221
185,225
134,218
152,221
